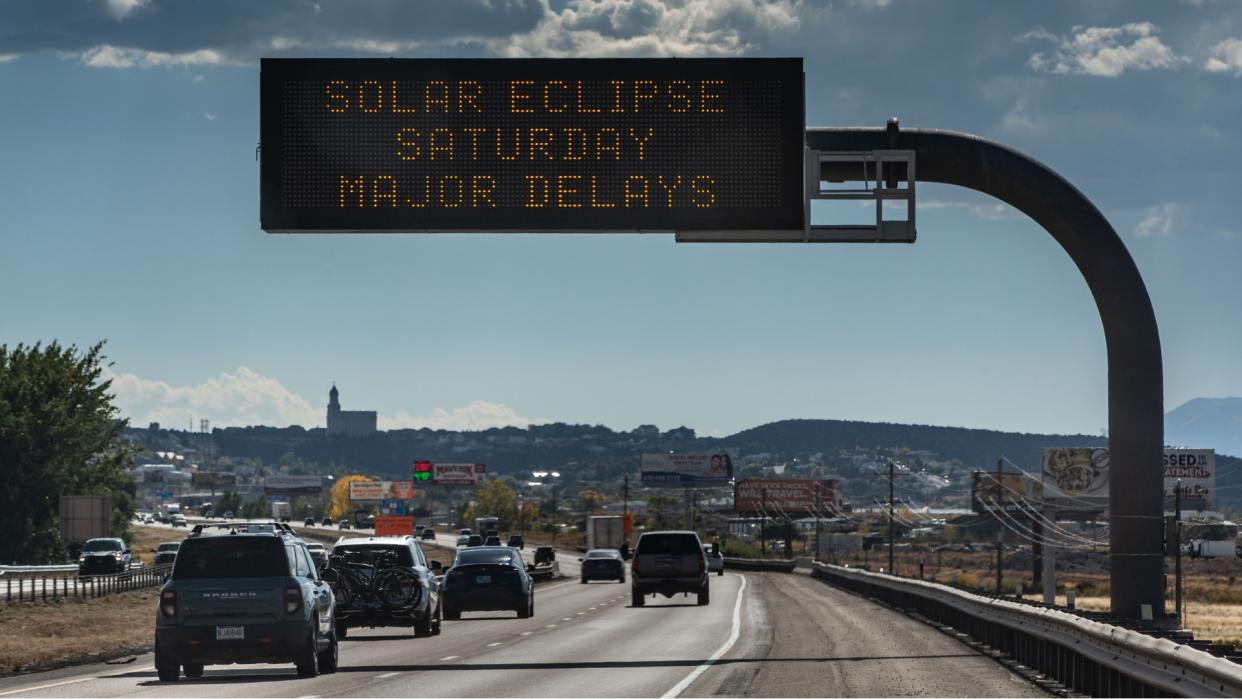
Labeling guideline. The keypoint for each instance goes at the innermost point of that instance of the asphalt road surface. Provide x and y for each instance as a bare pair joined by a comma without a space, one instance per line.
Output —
764,634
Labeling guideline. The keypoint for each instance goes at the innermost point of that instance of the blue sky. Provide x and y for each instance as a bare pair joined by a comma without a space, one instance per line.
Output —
129,211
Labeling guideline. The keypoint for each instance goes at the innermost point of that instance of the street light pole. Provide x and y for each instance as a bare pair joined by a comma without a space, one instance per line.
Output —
891,467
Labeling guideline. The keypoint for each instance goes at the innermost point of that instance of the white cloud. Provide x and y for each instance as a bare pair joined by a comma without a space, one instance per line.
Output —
107,56
120,9
198,78
236,398
605,28
1103,51
992,211
478,415
1226,57
1159,221
244,397
6,57
209,116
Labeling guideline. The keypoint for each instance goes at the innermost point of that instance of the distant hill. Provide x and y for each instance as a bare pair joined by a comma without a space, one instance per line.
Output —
1206,423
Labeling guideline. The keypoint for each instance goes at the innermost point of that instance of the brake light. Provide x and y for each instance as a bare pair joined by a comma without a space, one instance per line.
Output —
293,599
168,603
634,565
702,563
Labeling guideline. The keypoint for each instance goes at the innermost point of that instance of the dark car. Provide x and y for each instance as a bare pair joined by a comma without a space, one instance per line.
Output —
603,564
103,557
516,541
474,540
326,522
309,522
487,578
249,594
429,534
493,540
384,581
544,554
669,563
166,552
318,554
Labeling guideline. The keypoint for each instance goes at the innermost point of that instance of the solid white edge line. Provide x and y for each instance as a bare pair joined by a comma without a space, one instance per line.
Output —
62,683
698,671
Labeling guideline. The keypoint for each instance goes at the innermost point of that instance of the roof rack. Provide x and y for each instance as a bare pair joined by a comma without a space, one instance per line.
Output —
275,528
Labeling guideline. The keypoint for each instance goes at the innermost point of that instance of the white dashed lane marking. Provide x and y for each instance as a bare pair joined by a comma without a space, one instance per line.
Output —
494,644
386,675
450,657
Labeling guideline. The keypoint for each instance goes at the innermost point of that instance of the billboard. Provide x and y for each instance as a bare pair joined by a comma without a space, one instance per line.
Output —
468,475
377,491
85,517
213,479
1076,477
499,145
686,470
1197,470
394,525
1014,492
787,496
292,484
392,507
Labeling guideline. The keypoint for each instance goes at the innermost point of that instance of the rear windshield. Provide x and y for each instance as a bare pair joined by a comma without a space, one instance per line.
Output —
171,546
668,544
231,557
501,556
102,545
369,554
603,553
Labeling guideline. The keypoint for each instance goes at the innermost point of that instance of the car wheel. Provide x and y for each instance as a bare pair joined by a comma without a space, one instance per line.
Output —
704,595
435,625
166,668
342,631
193,670
524,612
583,580
422,627
307,660
636,598
328,658
451,614
720,572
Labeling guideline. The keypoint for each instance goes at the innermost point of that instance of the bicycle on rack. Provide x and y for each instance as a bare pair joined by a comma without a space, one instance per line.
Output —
370,580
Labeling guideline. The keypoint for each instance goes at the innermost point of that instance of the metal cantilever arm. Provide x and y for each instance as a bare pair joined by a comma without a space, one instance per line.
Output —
1135,372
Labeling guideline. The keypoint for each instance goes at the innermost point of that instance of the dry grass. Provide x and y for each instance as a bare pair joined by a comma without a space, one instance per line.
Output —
34,637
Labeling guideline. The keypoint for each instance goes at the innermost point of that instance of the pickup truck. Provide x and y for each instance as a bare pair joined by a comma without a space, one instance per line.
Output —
667,563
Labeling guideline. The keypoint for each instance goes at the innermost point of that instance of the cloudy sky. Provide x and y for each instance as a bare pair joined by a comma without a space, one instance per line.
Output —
129,211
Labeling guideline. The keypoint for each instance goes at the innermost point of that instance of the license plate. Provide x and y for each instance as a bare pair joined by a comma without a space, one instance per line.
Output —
483,579
230,633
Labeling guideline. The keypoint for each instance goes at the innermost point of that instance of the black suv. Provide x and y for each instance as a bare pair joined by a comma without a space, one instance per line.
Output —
668,563
103,557
244,593
384,581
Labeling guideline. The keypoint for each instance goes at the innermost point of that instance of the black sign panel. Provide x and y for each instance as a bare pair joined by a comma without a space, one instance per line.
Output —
532,144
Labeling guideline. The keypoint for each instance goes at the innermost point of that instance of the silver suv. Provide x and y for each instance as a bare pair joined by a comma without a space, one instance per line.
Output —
667,563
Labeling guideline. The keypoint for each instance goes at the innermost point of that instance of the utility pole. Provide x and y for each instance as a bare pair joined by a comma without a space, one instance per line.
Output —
1000,531
891,467
554,489
625,497
763,526
1177,559
817,506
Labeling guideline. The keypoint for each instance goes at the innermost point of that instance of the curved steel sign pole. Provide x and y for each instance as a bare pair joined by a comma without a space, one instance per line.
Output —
1135,376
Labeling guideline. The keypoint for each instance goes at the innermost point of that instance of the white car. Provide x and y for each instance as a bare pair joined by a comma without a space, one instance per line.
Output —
715,560
463,539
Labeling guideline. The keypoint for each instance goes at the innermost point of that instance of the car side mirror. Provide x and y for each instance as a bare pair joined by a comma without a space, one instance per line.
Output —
579,560
530,567
155,550
436,565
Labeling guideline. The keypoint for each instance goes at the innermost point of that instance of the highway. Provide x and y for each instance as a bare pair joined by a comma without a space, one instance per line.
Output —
769,634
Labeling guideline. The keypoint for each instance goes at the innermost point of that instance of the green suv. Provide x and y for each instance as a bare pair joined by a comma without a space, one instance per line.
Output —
244,593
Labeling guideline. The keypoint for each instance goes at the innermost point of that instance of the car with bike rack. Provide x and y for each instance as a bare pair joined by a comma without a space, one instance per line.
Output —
384,581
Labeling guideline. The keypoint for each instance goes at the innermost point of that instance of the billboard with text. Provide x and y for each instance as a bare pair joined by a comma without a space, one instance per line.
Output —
293,484
794,497
377,491
686,470
213,479
465,475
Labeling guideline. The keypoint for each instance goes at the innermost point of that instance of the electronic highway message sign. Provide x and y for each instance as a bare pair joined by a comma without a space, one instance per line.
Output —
530,145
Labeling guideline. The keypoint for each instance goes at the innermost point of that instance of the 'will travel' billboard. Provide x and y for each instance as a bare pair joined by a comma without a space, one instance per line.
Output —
795,497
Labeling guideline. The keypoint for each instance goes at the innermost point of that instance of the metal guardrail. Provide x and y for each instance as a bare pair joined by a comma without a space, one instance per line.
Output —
61,588
781,565
1087,656
66,568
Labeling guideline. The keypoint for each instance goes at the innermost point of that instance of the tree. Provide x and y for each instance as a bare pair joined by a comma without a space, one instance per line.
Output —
342,506
59,435
494,498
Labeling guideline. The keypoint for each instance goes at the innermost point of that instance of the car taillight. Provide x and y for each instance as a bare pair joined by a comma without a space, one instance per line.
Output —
634,566
293,599
702,563
168,603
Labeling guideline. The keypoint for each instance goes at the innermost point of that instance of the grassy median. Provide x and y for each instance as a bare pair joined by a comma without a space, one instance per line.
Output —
53,634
